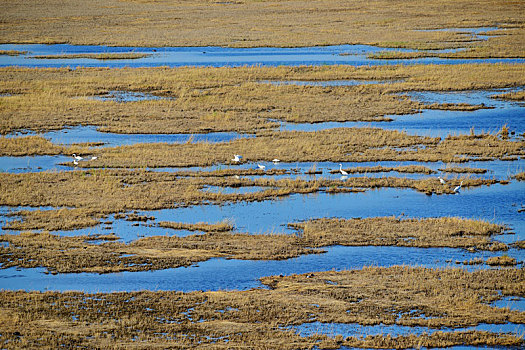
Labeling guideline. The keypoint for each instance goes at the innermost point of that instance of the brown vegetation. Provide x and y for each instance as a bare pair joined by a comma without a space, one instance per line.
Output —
371,296
463,170
520,176
78,254
226,99
224,226
503,260
410,169
268,23
512,96
384,231
97,56
12,52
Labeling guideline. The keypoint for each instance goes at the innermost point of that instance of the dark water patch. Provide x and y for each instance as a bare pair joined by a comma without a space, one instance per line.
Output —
217,56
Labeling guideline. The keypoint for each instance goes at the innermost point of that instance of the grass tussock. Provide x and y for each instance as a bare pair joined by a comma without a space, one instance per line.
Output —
463,170
410,169
28,146
433,232
54,220
224,226
12,52
392,296
512,96
503,260
78,254
520,176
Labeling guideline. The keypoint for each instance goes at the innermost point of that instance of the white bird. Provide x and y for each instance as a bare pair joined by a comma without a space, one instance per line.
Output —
341,170
276,160
77,157
94,158
75,162
441,180
262,167
237,158
456,190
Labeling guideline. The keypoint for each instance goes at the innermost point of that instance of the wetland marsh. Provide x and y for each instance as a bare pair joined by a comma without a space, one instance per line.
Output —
353,179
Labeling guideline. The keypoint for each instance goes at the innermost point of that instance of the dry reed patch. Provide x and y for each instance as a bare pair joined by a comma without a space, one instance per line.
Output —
209,99
503,260
78,254
457,107
391,231
335,145
396,295
512,96
411,169
54,220
28,146
520,176
223,226
97,56
12,52
463,170
267,23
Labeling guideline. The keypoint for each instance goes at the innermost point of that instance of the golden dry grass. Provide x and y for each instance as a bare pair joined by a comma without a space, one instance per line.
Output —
432,232
410,169
371,296
78,254
335,145
12,52
97,56
513,96
268,23
226,99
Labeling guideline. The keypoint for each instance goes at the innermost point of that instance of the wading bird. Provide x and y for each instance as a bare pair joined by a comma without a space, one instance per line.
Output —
94,158
341,170
77,158
276,160
458,188
262,167
75,162
236,158
441,180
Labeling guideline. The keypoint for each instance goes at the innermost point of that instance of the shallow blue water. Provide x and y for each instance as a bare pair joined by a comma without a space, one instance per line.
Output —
346,330
223,274
216,56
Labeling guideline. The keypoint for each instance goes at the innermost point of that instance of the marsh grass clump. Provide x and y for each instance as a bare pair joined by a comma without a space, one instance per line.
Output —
503,260
55,220
520,176
383,169
224,226
96,56
463,170
381,231
28,146
398,295
78,254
